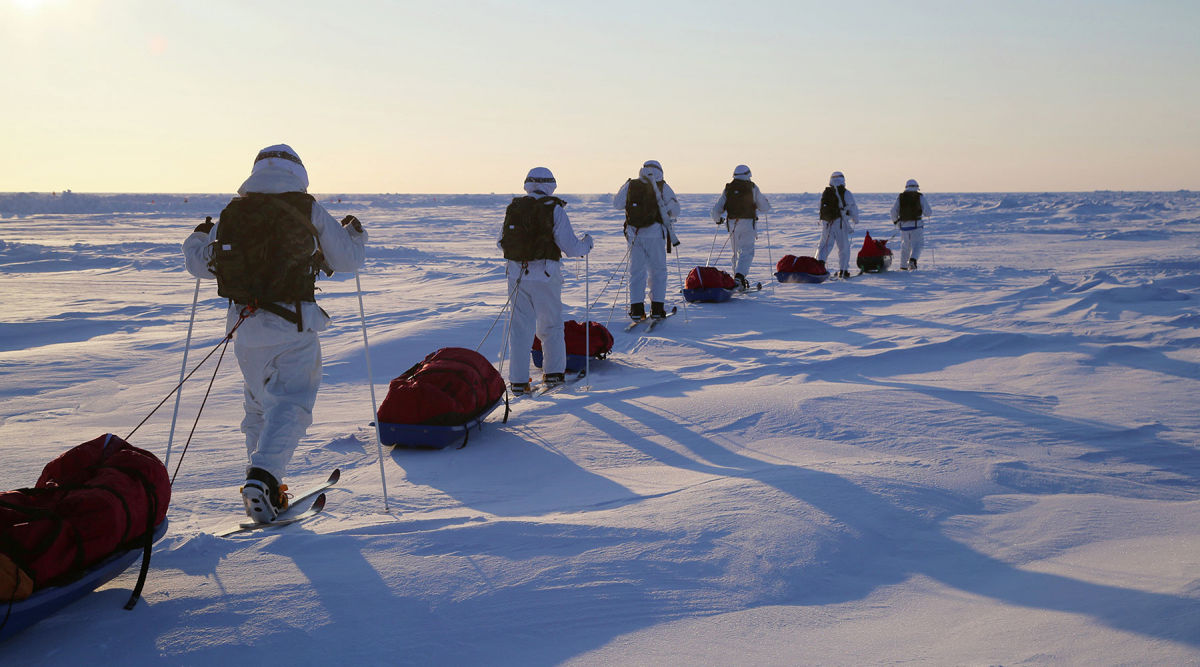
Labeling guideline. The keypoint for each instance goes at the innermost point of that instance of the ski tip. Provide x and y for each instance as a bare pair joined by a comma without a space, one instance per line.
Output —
335,475
318,504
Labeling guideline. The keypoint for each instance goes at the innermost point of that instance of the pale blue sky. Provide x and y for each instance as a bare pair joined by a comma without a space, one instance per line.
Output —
465,96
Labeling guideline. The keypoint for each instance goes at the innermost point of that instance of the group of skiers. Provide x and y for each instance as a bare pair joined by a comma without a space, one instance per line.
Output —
273,239
839,212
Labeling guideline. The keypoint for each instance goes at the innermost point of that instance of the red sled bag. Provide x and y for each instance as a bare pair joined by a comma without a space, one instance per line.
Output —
874,247
578,339
95,499
793,269
704,277
875,256
448,388
794,264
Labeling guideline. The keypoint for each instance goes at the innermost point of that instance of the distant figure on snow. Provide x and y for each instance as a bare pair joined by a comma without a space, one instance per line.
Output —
535,236
908,214
838,209
265,252
738,207
649,236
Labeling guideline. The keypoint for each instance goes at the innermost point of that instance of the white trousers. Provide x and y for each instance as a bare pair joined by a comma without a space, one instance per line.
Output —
280,388
741,239
647,258
835,232
911,243
536,309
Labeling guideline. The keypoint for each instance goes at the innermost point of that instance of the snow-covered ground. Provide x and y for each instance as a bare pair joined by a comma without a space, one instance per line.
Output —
993,460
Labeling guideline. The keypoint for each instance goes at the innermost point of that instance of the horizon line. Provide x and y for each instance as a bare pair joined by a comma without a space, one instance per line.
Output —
577,194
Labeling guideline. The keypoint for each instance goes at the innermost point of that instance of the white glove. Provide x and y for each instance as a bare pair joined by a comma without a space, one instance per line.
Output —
587,241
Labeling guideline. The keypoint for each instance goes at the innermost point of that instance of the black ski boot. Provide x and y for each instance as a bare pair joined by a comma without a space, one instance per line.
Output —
657,311
519,388
912,264
637,311
741,281
263,495
553,379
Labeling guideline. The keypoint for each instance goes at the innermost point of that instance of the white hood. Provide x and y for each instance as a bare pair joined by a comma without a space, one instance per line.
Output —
276,169
741,173
912,184
836,179
651,171
540,180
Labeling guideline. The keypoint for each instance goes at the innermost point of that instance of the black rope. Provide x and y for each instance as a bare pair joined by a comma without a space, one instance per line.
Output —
148,544
223,342
207,392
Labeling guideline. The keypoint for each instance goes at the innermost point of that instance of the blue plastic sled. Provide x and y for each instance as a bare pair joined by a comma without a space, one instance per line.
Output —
421,436
575,362
800,277
47,601
708,294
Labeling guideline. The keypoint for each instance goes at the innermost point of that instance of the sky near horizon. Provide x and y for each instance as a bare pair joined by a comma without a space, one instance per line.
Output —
464,96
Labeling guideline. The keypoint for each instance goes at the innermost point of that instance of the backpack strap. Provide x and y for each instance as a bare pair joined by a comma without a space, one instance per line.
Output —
295,317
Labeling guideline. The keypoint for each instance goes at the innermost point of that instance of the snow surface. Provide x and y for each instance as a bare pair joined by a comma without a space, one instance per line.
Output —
993,460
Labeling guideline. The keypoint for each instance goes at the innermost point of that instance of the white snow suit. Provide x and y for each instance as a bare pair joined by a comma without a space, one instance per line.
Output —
648,245
536,289
839,231
742,231
281,367
912,232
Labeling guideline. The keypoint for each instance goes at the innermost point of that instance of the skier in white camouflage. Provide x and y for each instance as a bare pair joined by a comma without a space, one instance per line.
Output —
265,252
535,235
738,208
838,210
649,236
909,214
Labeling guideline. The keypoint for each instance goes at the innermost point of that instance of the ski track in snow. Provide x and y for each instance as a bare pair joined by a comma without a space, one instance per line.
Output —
990,460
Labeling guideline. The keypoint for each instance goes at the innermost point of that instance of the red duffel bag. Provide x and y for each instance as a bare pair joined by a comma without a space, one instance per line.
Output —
448,388
874,247
578,339
95,499
794,264
703,277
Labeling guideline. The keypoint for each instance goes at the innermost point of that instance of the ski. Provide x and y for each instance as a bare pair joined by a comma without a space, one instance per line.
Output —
570,378
541,388
287,515
317,506
629,327
314,490
655,321
533,389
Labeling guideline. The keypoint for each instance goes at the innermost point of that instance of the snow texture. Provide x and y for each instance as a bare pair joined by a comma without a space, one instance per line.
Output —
991,460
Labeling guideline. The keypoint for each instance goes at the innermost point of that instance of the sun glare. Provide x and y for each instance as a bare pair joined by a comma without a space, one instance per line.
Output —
27,5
